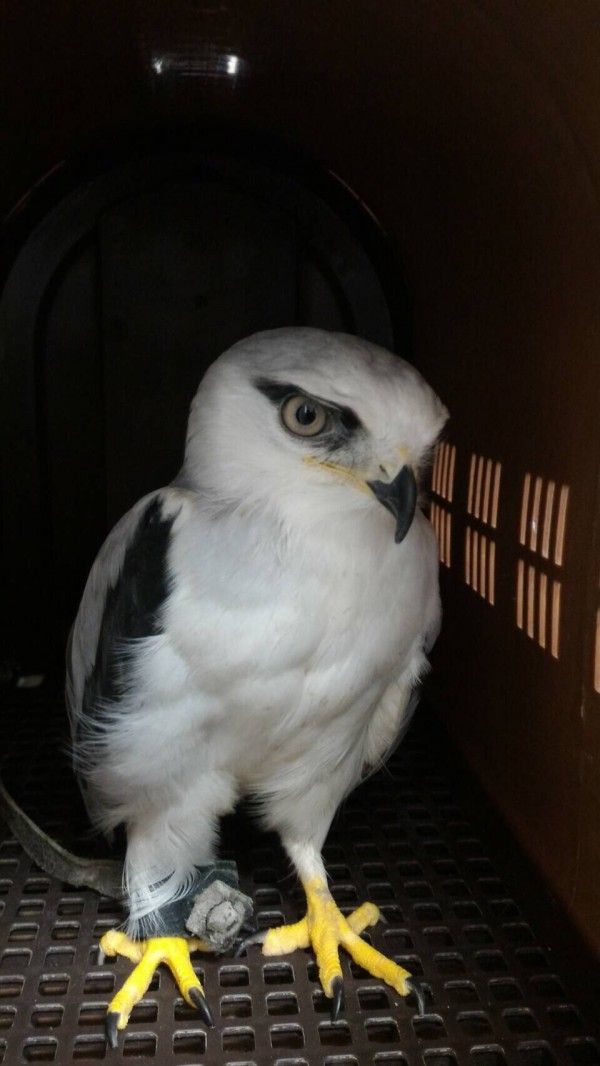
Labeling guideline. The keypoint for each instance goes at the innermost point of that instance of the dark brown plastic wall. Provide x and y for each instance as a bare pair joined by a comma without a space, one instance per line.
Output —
471,131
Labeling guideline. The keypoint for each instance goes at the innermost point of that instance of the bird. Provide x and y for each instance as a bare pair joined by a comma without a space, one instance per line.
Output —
258,629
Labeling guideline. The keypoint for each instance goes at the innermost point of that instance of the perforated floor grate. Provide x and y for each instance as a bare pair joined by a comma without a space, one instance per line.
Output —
402,840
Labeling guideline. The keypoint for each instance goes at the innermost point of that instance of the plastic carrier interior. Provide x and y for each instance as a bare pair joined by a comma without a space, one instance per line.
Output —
423,174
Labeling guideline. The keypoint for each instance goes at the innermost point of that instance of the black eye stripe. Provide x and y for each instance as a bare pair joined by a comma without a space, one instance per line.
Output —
349,420
277,392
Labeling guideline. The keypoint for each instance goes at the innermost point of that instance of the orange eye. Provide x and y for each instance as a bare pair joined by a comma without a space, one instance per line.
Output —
303,416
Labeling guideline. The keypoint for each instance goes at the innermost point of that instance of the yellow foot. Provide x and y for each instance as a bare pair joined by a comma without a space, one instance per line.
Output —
325,929
148,955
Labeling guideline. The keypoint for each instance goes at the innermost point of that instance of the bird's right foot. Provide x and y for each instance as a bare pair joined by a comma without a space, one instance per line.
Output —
148,955
325,929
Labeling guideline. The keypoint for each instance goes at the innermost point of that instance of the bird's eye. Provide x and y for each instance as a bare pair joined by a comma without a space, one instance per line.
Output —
303,416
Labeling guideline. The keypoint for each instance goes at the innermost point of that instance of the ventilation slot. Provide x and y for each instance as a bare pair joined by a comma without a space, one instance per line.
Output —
483,500
538,606
597,654
484,490
544,518
542,528
443,471
480,564
441,520
442,485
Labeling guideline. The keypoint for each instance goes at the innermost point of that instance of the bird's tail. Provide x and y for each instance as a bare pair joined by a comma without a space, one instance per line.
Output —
102,875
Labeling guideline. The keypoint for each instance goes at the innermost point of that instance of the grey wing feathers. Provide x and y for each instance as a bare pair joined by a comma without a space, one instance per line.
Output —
83,638
126,583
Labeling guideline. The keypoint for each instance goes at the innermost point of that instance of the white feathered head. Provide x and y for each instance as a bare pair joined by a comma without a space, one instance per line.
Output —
308,421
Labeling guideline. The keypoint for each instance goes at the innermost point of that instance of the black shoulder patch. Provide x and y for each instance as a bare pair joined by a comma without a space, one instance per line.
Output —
132,607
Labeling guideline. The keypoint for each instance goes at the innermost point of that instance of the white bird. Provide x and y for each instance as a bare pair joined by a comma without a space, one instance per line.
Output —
257,629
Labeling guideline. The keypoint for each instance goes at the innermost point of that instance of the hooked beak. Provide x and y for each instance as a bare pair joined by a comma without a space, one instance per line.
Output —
400,497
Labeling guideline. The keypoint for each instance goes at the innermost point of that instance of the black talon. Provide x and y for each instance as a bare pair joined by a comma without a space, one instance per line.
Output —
257,938
417,988
337,988
199,1001
110,1026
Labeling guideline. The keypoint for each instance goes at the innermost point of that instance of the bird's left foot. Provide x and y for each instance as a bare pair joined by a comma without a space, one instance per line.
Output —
325,929
148,955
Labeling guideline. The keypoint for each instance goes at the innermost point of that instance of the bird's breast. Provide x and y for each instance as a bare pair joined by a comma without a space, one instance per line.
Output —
289,653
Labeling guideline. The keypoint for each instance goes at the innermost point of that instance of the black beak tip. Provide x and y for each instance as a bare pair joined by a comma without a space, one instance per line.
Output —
399,497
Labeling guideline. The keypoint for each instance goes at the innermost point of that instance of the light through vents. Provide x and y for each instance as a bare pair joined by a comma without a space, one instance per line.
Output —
538,606
484,489
441,520
442,485
542,530
444,466
480,564
544,518
483,502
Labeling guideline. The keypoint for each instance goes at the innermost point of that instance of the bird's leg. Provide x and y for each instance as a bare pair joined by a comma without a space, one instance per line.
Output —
148,955
201,906
325,929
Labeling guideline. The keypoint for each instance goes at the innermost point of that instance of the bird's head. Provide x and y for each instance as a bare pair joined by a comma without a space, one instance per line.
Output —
312,423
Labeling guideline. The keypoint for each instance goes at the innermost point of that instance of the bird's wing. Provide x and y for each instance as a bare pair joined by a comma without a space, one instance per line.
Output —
390,722
121,600
127,586
393,716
